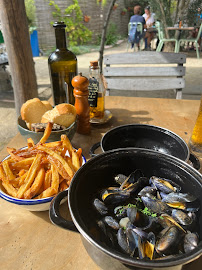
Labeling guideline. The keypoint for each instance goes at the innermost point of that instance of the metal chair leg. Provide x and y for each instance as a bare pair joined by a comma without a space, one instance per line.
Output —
160,45
177,47
197,51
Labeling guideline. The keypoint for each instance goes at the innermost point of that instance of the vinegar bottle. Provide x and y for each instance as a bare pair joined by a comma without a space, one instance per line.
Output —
96,92
195,142
62,68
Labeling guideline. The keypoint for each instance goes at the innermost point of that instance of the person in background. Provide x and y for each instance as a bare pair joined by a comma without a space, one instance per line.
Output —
194,33
137,18
150,20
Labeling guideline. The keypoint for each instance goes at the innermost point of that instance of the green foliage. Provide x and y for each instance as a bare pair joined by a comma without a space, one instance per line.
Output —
111,37
31,14
103,2
78,33
192,11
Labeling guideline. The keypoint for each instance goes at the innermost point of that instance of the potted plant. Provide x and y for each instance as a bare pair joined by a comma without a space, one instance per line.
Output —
115,6
86,18
123,12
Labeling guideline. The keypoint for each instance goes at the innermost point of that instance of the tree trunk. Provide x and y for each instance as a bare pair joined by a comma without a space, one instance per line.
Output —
104,31
163,18
18,47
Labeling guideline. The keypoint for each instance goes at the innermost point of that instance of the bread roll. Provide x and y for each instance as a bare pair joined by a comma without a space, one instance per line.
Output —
32,111
47,104
63,114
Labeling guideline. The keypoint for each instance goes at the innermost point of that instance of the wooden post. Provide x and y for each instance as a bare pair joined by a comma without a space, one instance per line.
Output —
17,40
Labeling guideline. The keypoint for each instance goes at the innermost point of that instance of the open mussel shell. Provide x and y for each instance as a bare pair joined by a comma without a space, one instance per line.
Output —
131,179
166,220
178,197
120,178
115,196
164,185
122,241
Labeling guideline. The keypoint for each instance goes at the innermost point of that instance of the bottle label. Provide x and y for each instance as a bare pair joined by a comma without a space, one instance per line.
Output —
93,92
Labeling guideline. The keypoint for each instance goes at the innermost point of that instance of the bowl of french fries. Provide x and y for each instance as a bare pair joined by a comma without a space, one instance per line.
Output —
33,175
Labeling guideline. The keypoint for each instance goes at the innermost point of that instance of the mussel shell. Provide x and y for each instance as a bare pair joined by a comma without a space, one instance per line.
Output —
132,178
165,185
156,206
122,241
131,214
100,207
168,241
120,178
181,217
147,190
111,222
132,239
190,242
178,197
116,197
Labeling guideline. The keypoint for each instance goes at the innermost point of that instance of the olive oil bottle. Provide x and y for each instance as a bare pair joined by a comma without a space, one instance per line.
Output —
96,92
62,68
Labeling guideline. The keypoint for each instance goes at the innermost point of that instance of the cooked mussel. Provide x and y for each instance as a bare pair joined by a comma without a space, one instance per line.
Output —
100,207
165,185
190,241
178,197
111,222
181,217
115,197
168,241
156,206
131,179
147,190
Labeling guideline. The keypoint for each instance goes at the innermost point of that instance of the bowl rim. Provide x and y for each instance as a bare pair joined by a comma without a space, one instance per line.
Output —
52,132
11,199
180,259
157,128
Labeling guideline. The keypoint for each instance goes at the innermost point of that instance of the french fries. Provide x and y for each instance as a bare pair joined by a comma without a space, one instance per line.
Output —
41,170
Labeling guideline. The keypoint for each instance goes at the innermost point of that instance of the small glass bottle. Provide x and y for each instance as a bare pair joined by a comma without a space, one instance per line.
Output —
195,142
62,68
96,92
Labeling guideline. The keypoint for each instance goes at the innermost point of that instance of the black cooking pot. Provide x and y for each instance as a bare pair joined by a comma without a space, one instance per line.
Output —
148,137
98,173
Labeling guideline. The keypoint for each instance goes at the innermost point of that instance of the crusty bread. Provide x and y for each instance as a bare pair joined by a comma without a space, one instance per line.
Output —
47,104
32,111
63,114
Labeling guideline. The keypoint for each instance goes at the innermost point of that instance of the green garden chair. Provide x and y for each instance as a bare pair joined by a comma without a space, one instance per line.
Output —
162,39
194,40
139,29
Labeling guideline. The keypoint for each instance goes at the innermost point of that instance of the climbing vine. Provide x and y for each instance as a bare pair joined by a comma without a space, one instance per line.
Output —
78,33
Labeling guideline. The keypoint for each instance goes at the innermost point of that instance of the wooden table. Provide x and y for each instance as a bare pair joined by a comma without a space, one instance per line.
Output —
180,29
30,241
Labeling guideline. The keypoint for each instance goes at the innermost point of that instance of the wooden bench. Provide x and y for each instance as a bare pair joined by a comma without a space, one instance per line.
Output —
145,71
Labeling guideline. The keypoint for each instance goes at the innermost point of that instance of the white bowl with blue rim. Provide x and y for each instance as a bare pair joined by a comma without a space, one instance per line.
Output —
30,204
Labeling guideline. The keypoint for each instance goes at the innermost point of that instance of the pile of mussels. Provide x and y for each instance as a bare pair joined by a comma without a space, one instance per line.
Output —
147,218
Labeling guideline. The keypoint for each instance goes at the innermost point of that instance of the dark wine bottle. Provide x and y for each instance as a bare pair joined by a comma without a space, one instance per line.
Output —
62,68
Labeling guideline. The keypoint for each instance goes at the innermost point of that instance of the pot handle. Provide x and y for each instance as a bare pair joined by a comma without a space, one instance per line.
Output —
54,213
195,161
93,148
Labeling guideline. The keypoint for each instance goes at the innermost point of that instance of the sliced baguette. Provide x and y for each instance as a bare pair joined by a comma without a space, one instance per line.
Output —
63,114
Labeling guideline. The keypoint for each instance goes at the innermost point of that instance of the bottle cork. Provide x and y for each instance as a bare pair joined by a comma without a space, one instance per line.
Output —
80,84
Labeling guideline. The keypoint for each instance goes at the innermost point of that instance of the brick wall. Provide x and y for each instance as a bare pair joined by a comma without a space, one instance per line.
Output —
89,7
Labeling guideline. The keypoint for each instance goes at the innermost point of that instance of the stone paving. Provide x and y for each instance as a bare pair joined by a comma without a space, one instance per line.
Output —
8,123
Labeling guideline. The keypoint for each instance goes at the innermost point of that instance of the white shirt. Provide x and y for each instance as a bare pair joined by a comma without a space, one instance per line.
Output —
151,19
